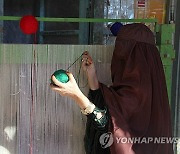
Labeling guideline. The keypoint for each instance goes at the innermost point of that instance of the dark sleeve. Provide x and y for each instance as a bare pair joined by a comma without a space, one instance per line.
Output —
95,96
94,129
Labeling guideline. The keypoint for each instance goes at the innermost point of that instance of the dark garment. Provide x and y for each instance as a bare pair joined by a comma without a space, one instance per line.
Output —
95,128
137,101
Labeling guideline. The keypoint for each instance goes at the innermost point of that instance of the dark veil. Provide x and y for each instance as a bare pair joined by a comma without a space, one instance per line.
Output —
137,101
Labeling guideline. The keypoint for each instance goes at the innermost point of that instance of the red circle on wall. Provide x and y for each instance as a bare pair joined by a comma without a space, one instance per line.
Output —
29,24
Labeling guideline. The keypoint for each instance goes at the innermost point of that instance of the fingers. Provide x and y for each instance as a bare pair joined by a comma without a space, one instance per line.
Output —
87,61
85,53
86,58
56,82
54,87
57,89
71,77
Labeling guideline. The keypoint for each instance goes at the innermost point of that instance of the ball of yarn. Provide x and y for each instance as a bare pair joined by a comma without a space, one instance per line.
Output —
61,76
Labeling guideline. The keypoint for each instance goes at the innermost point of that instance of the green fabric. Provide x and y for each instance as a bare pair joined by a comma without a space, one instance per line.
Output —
95,128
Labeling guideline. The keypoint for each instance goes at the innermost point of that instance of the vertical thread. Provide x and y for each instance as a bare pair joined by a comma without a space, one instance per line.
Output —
33,81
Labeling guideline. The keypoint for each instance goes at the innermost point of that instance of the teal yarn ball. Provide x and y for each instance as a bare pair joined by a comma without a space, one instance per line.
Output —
61,76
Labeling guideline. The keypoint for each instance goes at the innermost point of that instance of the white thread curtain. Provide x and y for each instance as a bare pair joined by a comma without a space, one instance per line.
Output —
33,118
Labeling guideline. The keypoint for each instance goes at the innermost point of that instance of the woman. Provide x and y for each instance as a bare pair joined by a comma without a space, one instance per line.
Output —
135,106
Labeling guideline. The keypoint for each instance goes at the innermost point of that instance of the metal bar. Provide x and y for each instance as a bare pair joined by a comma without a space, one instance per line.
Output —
60,32
46,19
41,25
83,27
176,79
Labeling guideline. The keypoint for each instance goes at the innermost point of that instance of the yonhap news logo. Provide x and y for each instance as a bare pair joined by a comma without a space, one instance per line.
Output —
107,139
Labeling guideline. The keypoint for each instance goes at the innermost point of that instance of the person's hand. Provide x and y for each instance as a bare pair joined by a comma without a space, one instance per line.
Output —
69,89
89,68
88,64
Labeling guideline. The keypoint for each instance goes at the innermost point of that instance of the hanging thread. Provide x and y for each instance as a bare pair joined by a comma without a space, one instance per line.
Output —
74,62
33,82
79,71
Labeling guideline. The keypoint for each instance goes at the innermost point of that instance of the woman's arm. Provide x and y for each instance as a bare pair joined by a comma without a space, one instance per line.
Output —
89,69
72,90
